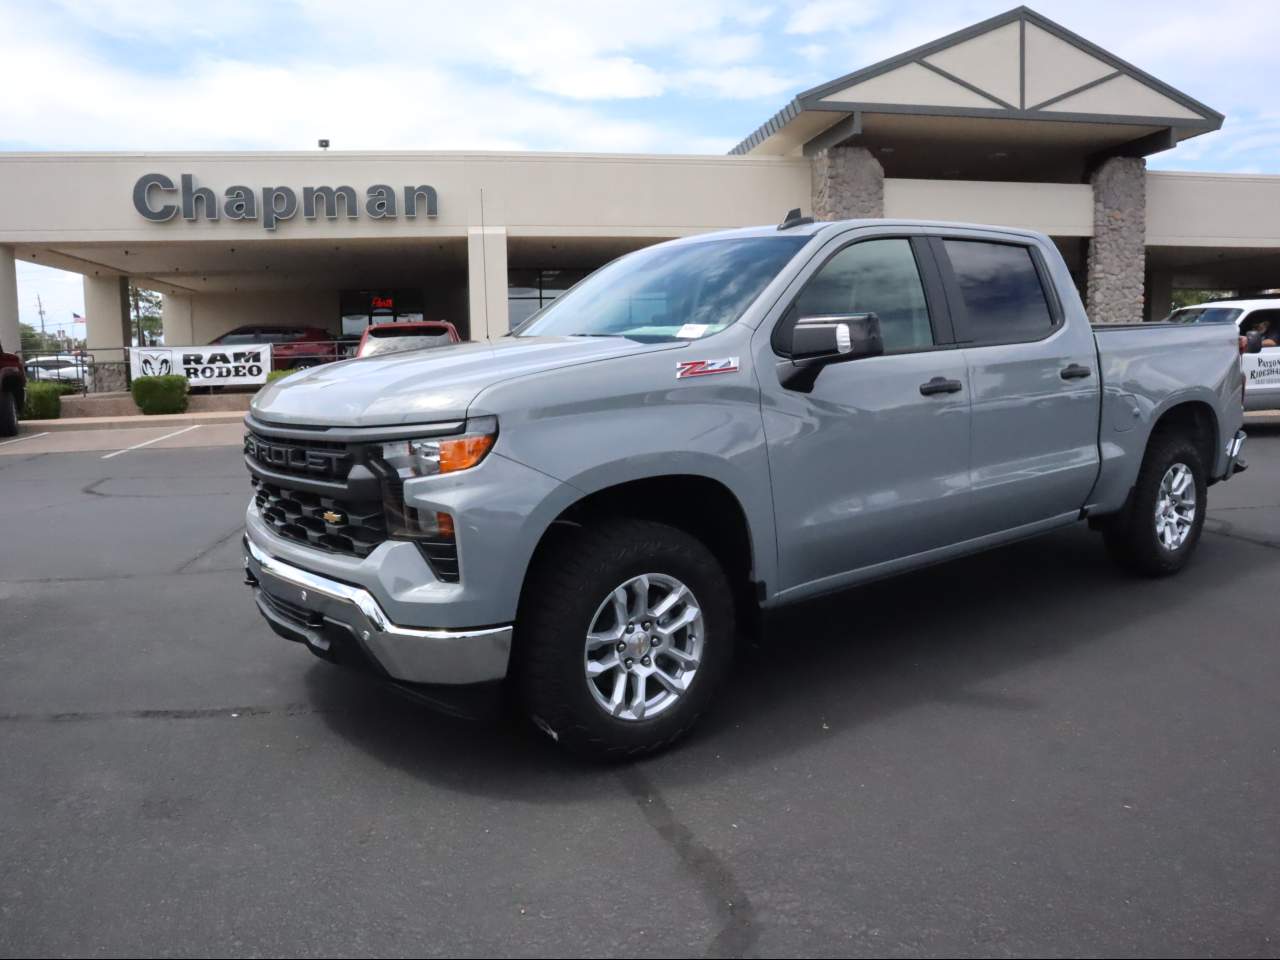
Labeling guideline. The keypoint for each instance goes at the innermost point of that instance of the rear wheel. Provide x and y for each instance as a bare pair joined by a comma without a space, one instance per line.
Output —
625,631
1159,529
8,413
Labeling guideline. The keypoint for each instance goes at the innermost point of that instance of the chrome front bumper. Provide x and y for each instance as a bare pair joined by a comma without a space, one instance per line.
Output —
318,611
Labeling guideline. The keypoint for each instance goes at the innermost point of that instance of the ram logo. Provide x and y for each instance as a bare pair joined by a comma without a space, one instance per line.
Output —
705,368
156,365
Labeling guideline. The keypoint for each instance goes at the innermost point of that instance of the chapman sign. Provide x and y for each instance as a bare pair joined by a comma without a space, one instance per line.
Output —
245,365
158,198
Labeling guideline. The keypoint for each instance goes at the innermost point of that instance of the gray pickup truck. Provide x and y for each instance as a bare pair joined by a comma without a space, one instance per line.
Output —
588,513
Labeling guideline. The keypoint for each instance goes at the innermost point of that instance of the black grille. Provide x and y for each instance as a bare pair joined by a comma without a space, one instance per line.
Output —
340,526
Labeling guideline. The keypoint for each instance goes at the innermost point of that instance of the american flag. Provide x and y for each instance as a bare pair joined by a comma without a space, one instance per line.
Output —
76,318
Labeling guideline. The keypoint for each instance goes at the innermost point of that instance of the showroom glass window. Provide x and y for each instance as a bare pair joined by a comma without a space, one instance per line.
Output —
528,291
1003,298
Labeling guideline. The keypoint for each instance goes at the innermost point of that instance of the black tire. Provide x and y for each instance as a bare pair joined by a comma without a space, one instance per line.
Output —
8,413
1131,536
570,581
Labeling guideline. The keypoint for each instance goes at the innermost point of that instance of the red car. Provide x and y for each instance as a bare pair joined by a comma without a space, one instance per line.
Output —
407,335
292,348
13,388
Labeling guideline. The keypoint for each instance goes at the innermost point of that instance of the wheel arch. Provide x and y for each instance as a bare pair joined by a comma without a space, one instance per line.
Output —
1196,419
701,505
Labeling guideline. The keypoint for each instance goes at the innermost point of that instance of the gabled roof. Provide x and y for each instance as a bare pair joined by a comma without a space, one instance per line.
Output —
1018,65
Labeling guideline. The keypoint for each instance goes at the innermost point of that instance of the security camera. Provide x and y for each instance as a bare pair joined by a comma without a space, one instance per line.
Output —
324,144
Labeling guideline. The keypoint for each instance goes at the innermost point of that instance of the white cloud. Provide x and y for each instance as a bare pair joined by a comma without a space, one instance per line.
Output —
821,16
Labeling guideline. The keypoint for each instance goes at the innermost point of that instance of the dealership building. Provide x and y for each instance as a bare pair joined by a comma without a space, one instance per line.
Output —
1014,121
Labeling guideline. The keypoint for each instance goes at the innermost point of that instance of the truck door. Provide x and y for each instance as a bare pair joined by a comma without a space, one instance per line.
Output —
873,464
1034,380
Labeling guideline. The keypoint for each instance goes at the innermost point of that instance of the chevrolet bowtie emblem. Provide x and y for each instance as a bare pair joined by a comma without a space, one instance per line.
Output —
332,516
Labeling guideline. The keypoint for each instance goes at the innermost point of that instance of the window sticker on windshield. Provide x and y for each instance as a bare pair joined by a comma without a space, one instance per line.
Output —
705,368
692,331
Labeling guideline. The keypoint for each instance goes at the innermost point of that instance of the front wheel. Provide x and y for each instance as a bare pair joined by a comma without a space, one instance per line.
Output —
626,629
1159,529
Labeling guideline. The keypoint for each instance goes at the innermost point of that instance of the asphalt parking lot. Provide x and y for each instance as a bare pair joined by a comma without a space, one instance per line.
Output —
1020,753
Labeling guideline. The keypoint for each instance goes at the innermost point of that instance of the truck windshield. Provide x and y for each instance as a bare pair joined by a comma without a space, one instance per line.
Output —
680,292
1204,315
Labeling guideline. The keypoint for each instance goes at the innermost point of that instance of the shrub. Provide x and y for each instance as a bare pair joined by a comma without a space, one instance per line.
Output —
44,402
166,394
277,374
66,389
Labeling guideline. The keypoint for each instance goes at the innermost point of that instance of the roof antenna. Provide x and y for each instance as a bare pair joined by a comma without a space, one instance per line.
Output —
793,219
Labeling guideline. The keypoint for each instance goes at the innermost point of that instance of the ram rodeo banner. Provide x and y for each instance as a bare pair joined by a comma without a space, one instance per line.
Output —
587,513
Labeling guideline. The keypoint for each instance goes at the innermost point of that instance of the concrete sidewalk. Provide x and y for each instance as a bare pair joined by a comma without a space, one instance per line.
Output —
127,423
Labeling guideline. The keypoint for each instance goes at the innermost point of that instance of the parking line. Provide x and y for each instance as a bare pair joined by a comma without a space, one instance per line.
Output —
147,443
29,436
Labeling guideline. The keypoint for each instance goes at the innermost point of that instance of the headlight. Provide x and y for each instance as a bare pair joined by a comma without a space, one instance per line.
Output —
426,458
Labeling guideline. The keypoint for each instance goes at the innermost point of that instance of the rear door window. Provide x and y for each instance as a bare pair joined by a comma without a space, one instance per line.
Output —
1001,292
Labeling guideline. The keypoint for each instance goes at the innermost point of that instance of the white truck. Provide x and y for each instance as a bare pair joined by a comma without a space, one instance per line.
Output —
1260,363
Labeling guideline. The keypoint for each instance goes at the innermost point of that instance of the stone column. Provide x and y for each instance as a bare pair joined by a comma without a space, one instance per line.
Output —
10,335
106,316
1117,252
487,281
847,183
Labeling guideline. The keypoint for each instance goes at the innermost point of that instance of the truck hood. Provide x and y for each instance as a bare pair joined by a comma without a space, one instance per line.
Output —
422,386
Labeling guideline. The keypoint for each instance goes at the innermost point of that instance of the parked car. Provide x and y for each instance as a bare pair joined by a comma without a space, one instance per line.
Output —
412,335
62,368
1260,361
13,392
590,508
292,348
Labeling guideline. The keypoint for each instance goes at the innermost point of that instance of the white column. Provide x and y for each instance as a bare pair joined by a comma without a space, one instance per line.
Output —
487,281
106,314
10,336
176,320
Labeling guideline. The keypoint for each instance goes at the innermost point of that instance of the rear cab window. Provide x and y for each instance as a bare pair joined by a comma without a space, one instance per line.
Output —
1001,291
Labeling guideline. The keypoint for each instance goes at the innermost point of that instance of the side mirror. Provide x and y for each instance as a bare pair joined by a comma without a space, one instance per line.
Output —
1251,342
819,341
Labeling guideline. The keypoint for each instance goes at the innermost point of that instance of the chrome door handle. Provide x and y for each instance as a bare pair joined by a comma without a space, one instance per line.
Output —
940,385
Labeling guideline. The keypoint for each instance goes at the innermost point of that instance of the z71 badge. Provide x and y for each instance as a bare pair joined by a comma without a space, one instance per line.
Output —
705,368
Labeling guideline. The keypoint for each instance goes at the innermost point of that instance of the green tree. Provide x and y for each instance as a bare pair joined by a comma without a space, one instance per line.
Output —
147,325
34,342
1189,297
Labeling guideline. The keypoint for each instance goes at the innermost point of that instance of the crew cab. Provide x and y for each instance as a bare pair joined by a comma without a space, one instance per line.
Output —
590,510
13,391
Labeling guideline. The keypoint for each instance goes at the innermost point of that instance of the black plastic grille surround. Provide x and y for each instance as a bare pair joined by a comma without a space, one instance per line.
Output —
314,459
337,497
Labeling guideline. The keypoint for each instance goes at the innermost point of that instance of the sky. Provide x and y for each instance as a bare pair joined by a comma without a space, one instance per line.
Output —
677,76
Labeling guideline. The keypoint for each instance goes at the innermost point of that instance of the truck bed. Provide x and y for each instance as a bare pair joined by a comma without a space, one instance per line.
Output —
1147,369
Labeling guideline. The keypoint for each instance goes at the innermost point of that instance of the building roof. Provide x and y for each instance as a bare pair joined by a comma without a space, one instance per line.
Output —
1018,66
